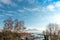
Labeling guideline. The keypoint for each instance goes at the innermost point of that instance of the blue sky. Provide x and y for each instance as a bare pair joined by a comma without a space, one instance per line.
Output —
37,14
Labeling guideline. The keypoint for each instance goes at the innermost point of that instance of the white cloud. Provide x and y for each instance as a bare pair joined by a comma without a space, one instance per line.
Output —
57,4
8,2
26,8
31,1
21,10
49,0
11,12
54,6
53,18
8,14
36,29
33,9
51,7
41,29
5,1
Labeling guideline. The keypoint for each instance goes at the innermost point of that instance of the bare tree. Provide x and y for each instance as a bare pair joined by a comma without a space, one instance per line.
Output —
8,24
52,29
18,25
22,25
16,22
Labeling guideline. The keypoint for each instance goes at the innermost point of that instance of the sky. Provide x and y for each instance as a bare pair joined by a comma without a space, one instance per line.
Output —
36,14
